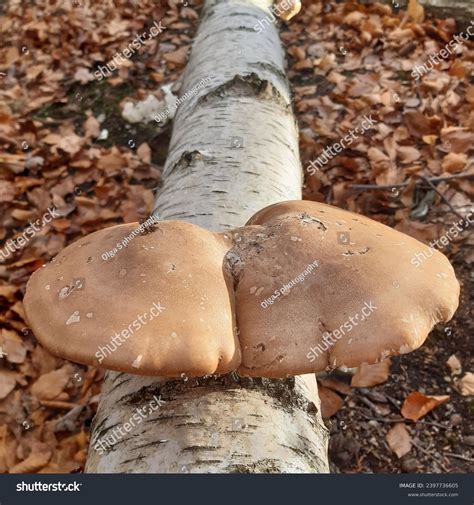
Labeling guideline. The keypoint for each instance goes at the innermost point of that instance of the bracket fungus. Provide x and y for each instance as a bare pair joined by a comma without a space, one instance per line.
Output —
284,295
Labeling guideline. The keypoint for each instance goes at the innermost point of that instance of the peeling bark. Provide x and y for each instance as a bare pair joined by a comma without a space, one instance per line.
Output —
234,150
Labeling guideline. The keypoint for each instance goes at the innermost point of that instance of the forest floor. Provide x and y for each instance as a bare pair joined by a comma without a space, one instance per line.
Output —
65,144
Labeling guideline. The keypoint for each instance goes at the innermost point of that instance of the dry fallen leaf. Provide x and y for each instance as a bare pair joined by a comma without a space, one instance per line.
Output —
417,405
371,375
51,385
399,440
177,57
454,162
466,385
39,457
408,154
335,385
8,445
144,153
416,12
331,402
7,383
7,191
92,127
454,365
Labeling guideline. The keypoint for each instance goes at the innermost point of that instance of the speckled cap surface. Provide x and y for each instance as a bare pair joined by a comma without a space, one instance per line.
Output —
303,287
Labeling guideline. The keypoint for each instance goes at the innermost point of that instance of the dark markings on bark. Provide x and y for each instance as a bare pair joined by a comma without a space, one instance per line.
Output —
196,448
133,460
185,161
261,466
117,385
165,418
207,461
234,29
149,444
273,69
189,424
104,431
244,86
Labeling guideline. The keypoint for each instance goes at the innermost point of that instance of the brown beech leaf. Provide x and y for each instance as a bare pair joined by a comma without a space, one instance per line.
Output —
331,402
13,346
7,191
112,161
92,127
51,385
8,445
8,291
144,152
454,162
371,375
454,365
416,12
417,124
408,154
39,457
177,57
335,385
7,383
466,385
417,405
399,440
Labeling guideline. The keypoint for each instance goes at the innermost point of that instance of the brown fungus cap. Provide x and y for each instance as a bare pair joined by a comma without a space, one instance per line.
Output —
310,287
321,287
160,306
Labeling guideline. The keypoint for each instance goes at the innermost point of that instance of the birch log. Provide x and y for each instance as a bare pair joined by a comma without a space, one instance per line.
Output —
234,150
461,10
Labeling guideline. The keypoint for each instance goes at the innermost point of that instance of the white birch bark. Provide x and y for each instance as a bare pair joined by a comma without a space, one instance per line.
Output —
234,150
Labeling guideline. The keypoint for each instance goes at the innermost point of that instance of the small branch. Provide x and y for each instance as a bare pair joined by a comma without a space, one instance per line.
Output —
445,200
424,451
363,187
459,456
400,420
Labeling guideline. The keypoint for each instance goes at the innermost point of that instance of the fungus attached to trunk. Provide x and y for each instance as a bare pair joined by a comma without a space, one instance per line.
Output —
158,305
303,287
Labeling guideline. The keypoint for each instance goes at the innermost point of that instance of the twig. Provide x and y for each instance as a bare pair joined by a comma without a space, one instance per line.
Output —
363,187
424,451
380,419
445,200
401,420
432,423
459,456
369,404
394,402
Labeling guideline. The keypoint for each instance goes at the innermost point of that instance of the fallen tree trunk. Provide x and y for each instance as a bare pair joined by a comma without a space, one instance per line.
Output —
461,10
234,150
